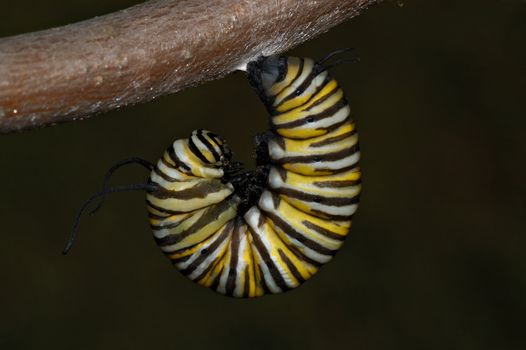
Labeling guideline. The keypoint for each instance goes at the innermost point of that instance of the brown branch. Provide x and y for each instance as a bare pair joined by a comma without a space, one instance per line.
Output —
146,51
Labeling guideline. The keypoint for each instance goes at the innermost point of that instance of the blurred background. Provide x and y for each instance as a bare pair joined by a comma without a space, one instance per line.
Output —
435,259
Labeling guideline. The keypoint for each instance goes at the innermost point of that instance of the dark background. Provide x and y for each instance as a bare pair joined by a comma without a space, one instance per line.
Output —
436,257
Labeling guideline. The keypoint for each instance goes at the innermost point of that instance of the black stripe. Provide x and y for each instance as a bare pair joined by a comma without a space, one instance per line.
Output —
162,210
293,249
333,139
196,151
182,166
291,232
163,175
300,89
163,224
261,220
325,97
279,140
282,173
324,215
298,254
263,282
217,279
208,145
182,250
337,125
157,217
323,231
205,271
275,199
180,259
234,258
168,226
311,118
211,214
314,96
252,265
212,265
292,268
324,157
338,184
152,215
202,189
274,271
165,162
336,171
328,78
308,197
298,74
246,287
221,144
211,134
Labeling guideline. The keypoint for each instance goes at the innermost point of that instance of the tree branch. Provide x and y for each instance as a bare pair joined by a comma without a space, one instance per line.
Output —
146,51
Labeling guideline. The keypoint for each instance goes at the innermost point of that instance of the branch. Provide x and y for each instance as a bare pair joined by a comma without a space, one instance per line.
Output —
146,51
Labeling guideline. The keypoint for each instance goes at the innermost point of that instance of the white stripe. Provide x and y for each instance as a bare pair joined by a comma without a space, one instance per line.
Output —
307,69
252,219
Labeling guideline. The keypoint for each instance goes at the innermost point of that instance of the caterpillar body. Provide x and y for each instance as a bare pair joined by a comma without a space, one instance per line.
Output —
249,233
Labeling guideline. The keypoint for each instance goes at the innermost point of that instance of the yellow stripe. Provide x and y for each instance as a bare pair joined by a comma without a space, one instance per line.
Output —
172,169
256,280
184,185
210,277
306,270
294,217
306,169
300,146
214,144
307,70
208,155
195,249
188,205
331,85
199,168
207,230
155,212
295,114
293,65
307,184
184,225
172,219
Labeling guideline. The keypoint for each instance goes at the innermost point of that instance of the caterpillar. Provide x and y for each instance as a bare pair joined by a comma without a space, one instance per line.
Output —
244,233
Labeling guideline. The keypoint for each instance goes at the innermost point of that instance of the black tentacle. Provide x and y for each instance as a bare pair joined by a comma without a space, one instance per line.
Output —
106,184
335,53
322,66
102,194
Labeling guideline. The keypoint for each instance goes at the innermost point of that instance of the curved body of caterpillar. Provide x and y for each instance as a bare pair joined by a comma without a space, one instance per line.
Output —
245,234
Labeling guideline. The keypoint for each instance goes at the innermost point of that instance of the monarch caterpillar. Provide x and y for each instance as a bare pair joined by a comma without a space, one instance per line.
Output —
249,233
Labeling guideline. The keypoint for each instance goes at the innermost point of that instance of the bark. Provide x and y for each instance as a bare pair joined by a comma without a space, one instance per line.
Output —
148,50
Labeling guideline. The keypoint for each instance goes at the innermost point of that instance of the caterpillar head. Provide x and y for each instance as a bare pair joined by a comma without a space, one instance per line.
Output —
284,83
210,148
267,71
264,74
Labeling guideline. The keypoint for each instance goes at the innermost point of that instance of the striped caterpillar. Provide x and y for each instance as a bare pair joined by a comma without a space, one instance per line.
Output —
249,233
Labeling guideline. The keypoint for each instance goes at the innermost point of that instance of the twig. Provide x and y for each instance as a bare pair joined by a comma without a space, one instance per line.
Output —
149,50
